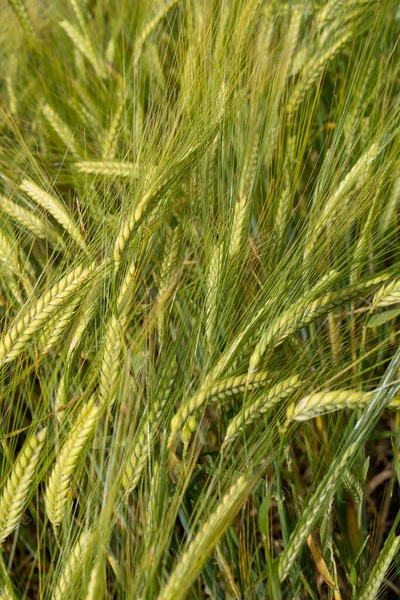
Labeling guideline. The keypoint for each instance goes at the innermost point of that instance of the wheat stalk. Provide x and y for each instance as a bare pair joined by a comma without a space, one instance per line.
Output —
17,486
56,495
24,19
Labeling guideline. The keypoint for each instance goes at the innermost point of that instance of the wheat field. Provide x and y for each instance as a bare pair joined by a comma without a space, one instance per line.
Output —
199,299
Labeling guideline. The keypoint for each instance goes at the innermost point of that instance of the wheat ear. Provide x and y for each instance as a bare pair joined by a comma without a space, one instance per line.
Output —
213,285
29,221
262,405
191,562
147,31
61,129
321,403
57,327
138,458
78,557
25,326
55,208
114,338
85,47
388,552
23,17
16,489
303,312
222,390
56,495
108,168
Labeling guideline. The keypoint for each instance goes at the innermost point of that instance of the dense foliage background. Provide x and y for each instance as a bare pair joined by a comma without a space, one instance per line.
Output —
199,299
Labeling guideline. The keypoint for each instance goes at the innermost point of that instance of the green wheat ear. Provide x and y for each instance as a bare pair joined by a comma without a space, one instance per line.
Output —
17,487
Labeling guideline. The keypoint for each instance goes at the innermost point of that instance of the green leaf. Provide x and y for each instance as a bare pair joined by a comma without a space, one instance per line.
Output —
383,317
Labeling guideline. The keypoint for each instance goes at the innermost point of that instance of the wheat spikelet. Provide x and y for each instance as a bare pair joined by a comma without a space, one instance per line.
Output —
88,309
387,554
303,312
114,338
213,281
79,15
168,265
389,210
111,138
191,562
352,486
16,489
222,390
84,45
29,221
23,17
354,178
61,129
56,495
11,70
138,458
150,27
54,332
108,168
79,556
54,207
8,255
262,405
25,326
312,70
388,294
238,226
321,403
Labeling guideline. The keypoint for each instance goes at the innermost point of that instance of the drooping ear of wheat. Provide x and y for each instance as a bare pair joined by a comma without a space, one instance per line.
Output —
16,489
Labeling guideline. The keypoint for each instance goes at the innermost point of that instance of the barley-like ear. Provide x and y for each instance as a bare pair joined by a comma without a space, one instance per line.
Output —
57,488
17,486
55,208
138,458
25,326
303,312
53,333
85,47
147,31
321,403
388,294
79,557
262,405
23,17
192,561
61,129
111,137
312,71
32,223
387,554
108,168
222,390
114,340
238,225
213,284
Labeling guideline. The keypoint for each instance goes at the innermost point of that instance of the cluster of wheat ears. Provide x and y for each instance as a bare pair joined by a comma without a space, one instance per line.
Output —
199,299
